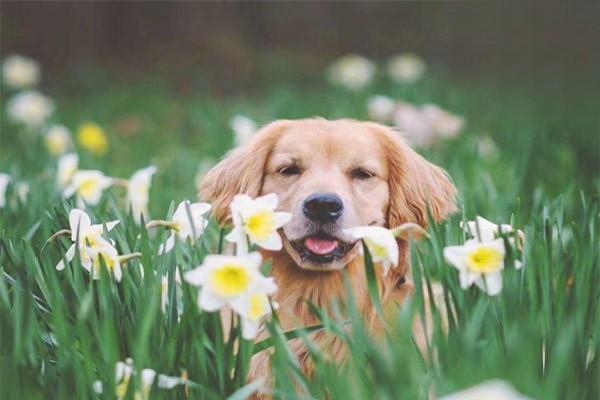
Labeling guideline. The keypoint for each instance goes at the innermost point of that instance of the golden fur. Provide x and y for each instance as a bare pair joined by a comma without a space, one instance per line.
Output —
404,188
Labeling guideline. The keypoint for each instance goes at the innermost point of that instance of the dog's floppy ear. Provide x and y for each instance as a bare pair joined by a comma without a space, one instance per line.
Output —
240,171
415,184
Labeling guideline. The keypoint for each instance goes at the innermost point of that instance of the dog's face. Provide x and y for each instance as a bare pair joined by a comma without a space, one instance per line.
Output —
331,175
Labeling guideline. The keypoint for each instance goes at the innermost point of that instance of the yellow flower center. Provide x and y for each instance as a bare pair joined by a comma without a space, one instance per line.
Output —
377,251
230,280
258,304
109,262
485,259
93,138
121,388
260,225
90,240
87,187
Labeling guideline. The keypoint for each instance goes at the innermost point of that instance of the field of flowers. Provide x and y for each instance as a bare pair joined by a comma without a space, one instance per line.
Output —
113,272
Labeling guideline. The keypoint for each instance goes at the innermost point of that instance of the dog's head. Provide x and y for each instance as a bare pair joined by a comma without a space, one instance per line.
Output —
331,175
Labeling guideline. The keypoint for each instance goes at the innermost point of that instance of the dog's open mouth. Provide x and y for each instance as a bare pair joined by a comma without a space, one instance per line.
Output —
321,248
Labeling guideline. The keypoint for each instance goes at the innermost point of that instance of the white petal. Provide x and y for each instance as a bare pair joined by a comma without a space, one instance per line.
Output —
490,283
456,255
249,328
168,245
271,242
236,235
68,255
282,218
197,276
268,201
209,302
199,209
79,222
466,278
168,382
147,377
518,264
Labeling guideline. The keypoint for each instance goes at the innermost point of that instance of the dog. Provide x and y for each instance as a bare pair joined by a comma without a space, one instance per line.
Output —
331,175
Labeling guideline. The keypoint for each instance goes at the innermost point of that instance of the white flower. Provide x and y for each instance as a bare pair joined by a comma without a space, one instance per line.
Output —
486,147
89,235
256,220
124,371
88,186
254,306
19,72
381,244
169,382
409,120
138,190
352,72
31,108
58,140
22,189
480,263
67,166
184,227
406,68
486,230
224,278
443,123
489,390
381,108
92,258
4,181
243,129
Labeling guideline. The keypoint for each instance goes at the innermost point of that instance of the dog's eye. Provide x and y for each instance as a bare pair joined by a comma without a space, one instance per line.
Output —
289,170
361,173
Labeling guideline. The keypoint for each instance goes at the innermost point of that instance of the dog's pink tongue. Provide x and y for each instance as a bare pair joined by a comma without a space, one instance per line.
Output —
320,246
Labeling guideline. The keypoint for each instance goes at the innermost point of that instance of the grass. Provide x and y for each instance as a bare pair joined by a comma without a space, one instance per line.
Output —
61,331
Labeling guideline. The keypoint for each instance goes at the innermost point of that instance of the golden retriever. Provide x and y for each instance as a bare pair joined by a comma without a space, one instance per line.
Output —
331,175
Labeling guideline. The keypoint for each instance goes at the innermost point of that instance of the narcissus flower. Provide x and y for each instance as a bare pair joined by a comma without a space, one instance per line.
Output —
254,306
92,138
484,230
256,220
30,108
406,68
187,222
480,263
381,108
4,181
88,186
224,279
352,72
243,129
443,123
138,191
67,166
381,244
19,72
89,235
492,390
58,140
103,252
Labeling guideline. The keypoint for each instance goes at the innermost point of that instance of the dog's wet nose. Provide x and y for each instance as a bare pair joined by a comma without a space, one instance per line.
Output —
323,207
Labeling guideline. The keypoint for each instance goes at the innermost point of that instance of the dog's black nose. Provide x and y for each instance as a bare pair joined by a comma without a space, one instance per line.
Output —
323,207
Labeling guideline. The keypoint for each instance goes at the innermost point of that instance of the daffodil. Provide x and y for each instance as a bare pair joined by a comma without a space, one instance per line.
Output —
485,230
381,108
480,263
30,108
257,221
103,252
4,181
443,123
254,306
492,390
409,120
91,137
381,243
19,72
124,371
406,68
87,186
187,222
138,191
224,279
352,72
243,129
67,166
89,235
58,140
